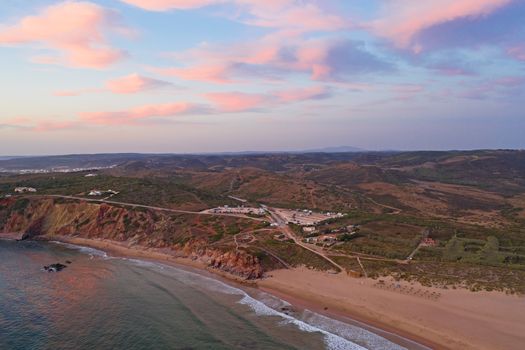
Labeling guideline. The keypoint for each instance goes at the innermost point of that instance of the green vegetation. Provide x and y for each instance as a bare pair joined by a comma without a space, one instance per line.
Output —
20,205
469,204
483,252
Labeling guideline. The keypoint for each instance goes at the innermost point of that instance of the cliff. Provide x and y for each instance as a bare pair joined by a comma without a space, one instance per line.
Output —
203,238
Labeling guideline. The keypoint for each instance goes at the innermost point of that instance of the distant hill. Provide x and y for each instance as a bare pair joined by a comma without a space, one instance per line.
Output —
338,149
8,157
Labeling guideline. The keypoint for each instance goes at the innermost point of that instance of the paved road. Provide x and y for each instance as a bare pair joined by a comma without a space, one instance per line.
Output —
290,234
134,205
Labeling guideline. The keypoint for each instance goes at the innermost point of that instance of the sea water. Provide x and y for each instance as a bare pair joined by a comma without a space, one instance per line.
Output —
99,302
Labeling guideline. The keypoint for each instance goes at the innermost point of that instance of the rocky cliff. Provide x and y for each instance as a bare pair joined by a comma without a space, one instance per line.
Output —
203,238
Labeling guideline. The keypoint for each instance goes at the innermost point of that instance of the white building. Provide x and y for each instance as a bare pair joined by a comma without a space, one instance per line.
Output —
25,189
95,193
309,229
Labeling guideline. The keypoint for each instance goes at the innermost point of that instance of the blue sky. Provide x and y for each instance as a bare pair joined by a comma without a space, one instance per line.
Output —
232,75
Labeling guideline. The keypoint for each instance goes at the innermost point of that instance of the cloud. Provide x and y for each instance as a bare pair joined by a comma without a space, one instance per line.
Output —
313,93
403,20
296,42
130,84
453,67
237,101
214,73
509,88
517,52
303,16
501,28
165,5
273,58
75,30
224,102
140,114
229,102
134,83
31,124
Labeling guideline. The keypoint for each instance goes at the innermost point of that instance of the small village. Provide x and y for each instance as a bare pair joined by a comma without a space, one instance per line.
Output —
329,237
240,210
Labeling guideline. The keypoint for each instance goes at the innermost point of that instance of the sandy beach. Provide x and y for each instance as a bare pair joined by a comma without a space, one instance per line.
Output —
437,318
455,319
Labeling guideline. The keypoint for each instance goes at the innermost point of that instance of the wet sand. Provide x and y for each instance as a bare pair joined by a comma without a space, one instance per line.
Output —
437,318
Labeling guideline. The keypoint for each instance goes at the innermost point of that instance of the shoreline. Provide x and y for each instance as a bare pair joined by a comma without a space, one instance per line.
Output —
459,319
10,236
328,295
115,249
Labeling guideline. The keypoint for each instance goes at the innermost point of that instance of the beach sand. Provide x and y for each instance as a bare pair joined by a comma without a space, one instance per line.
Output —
456,319
447,319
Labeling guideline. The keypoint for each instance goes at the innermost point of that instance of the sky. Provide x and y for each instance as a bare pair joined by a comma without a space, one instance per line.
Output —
182,76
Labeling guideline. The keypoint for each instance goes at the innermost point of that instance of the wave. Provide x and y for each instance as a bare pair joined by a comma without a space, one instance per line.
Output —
86,250
337,335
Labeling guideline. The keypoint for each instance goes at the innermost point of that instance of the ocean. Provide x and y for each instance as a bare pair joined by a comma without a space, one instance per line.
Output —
100,302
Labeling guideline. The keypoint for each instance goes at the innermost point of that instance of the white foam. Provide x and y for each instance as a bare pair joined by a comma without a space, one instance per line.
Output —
333,341
336,334
86,250
348,331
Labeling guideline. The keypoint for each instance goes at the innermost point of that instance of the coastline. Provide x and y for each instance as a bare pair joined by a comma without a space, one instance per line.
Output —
460,319
390,314
9,236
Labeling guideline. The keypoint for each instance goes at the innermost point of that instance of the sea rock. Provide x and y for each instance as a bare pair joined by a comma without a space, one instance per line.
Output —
54,267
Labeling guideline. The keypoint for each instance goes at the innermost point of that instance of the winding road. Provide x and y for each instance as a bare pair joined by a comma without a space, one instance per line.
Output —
134,205
290,234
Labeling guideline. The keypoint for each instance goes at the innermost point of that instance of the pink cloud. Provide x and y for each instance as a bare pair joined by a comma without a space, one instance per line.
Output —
503,87
313,93
303,16
225,102
39,125
243,102
139,114
134,83
237,101
517,52
76,30
273,57
54,126
211,72
510,81
165,5
404,92
403,19
130,84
